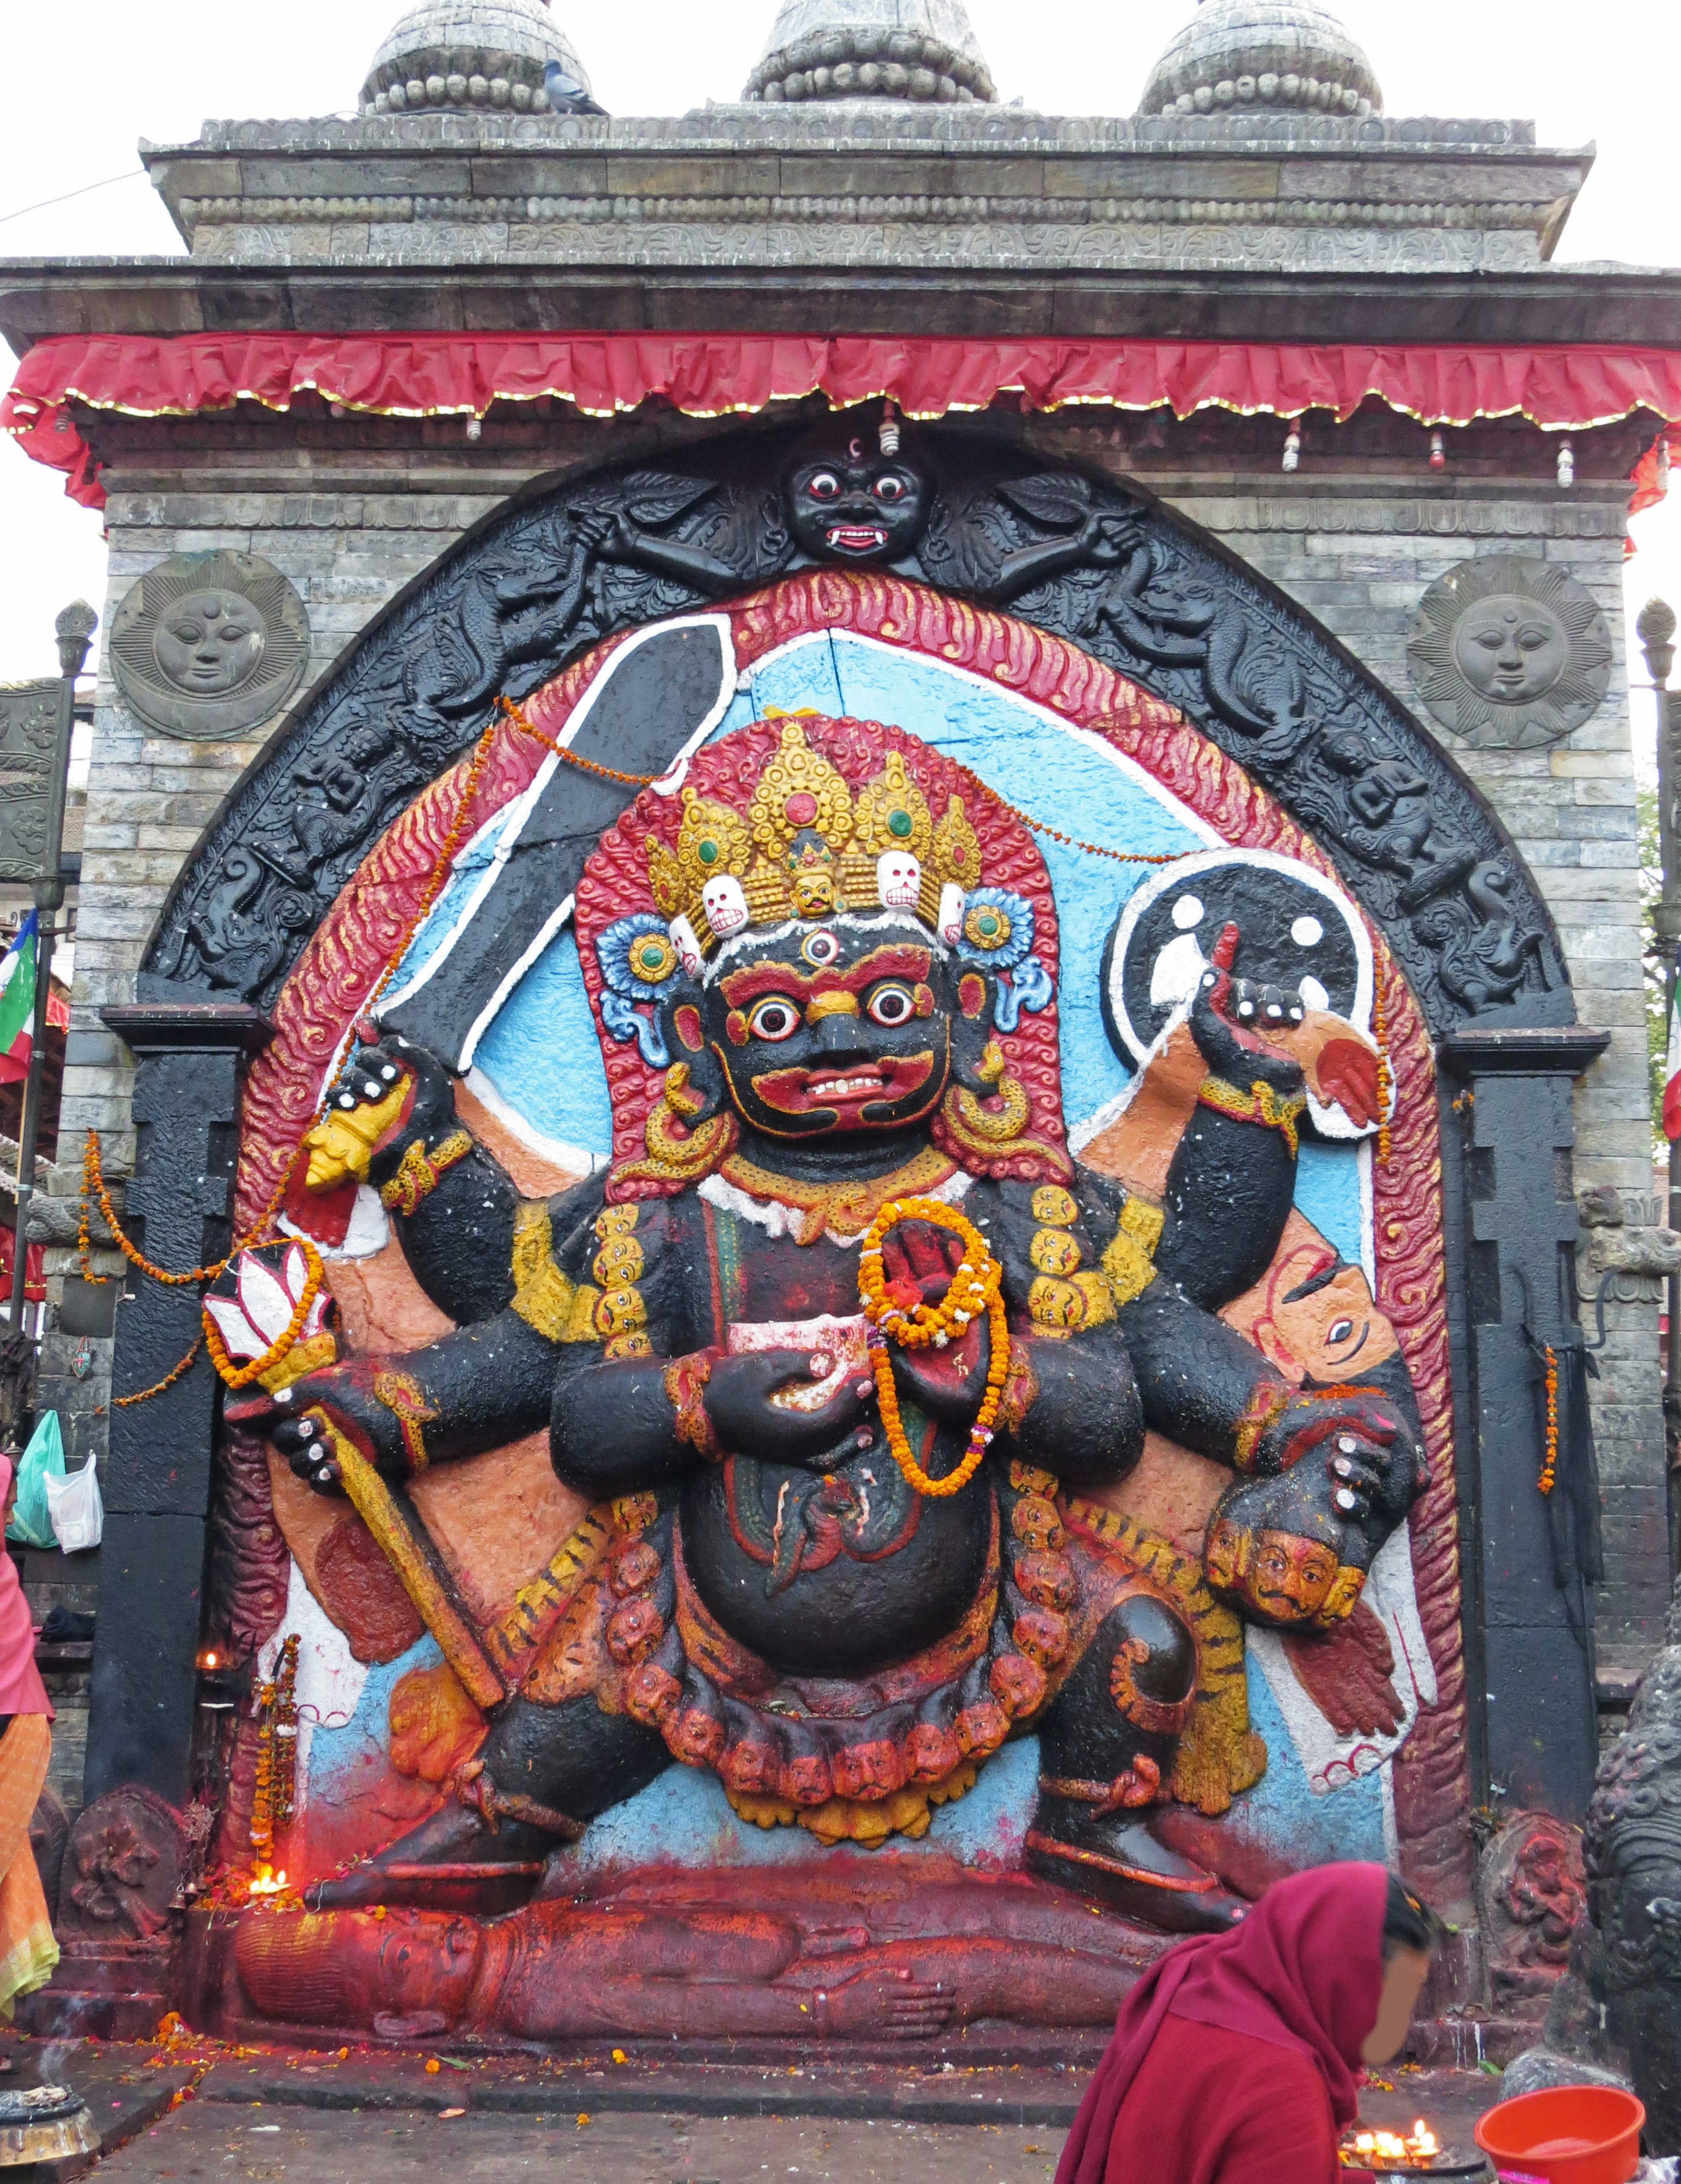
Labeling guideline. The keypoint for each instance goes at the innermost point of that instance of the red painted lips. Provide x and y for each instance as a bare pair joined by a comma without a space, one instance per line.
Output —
857,538
844,1091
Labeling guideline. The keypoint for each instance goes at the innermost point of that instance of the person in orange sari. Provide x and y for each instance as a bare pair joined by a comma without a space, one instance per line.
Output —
28,1952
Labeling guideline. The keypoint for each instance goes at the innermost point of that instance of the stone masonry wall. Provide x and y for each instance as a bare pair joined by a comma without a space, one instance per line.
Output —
353,513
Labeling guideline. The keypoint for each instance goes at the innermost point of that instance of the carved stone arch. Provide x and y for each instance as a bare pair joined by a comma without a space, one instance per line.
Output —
1121,576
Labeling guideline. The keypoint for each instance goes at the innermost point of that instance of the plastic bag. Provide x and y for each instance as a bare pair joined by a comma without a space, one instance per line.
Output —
42,1460
78,1510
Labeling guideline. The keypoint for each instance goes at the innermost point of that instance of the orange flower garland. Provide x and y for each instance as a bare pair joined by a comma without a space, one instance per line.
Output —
1385,1076
965,774
974,1290
1550,1462
240,1376
93,1181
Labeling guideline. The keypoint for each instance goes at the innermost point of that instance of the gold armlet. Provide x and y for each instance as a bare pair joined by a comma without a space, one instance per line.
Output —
685,1386
1260,1104
405,1399
419,1172
1268,1400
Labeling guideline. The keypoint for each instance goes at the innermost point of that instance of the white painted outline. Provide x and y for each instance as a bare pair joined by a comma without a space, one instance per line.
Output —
1204,860
576,1159
512,816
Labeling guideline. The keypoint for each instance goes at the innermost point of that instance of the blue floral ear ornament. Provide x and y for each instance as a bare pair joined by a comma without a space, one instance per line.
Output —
639,966
996,935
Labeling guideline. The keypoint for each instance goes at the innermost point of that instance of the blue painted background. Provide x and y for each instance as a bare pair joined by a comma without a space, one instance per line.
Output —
542,1055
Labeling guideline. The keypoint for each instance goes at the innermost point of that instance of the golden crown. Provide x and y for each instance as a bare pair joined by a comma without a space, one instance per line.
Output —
806,847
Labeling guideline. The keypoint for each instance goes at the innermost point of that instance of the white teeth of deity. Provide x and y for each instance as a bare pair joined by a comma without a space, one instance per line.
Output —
820,1364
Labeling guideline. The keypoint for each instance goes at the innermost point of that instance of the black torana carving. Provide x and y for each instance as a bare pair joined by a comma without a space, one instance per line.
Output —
1080,557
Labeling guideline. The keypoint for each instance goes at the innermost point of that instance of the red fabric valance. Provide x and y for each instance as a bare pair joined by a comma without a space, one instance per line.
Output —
713,375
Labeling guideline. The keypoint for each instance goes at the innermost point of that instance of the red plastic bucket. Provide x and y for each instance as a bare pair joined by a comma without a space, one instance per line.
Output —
1567,2135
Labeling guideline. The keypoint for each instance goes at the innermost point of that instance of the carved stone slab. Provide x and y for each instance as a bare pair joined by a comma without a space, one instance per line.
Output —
207,645
32,730
1510,653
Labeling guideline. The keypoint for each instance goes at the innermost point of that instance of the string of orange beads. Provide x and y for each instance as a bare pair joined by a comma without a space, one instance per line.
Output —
973,1291
1549,1460
1380,1027
965,774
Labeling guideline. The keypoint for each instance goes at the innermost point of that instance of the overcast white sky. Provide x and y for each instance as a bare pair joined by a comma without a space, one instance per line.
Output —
78,92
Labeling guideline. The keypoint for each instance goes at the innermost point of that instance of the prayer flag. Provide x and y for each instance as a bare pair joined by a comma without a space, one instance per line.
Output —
17,1003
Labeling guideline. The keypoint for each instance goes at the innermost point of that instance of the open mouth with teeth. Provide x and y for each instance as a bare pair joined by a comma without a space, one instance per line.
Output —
856,537
845,1092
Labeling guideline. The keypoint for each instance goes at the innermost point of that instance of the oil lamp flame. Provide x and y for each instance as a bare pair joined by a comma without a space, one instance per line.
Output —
264,1883
1389,2149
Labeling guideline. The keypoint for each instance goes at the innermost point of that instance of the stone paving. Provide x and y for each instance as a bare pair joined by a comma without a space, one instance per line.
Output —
325,2116
311,2146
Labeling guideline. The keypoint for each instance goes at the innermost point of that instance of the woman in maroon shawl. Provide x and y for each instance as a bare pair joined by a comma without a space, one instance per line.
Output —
1236,2058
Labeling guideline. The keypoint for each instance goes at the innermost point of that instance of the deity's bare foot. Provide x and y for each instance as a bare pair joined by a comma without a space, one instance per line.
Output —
1118,1859
888,2005
452,1851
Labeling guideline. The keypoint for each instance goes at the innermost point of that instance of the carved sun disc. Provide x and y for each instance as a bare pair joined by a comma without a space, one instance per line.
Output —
1510,653
208,645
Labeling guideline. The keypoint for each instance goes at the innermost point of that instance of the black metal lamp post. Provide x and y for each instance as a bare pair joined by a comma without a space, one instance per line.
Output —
36,722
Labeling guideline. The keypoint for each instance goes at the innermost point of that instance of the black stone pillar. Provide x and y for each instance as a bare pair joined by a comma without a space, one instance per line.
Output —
157,1479
1537,1736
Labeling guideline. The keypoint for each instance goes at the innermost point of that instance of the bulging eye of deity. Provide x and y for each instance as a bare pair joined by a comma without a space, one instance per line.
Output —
774,1019
892,1005
853,507
821,949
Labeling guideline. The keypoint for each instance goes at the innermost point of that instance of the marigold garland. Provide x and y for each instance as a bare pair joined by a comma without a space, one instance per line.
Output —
1380,1027
156,1388
969,778
1549,1462
93,1187
974,1290
240,1376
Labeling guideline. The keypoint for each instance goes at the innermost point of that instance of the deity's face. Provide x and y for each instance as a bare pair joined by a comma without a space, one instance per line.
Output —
840,1030
208,642
848,504
1510,650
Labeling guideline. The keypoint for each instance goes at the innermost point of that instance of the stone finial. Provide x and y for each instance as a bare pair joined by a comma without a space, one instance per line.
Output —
1655,626
486,54
74,629
898,49
1238,56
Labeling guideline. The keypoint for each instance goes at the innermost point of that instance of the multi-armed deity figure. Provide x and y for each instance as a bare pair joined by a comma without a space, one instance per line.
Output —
843,1343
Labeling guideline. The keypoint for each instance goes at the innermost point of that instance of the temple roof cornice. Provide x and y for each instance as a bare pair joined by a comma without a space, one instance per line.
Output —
1612,304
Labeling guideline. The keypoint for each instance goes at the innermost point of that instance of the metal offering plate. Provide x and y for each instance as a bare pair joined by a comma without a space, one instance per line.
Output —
1447,2161
47,2123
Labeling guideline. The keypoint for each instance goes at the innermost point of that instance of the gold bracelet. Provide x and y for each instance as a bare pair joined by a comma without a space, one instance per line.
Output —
419,1172
405,1399
685,1386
